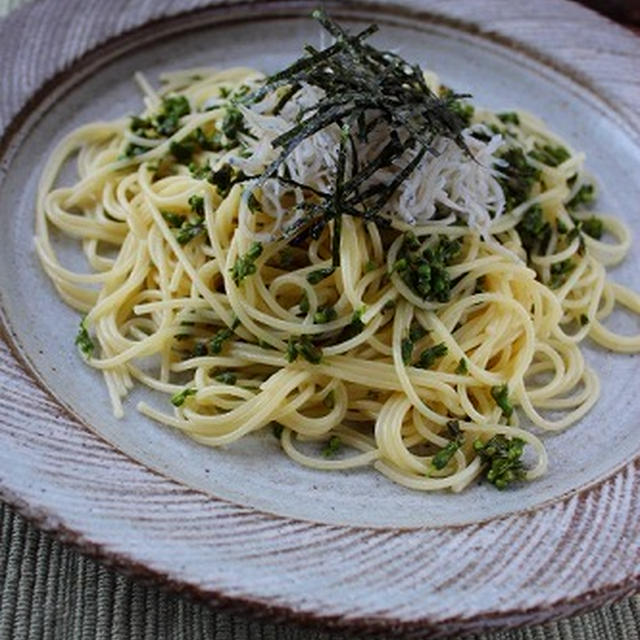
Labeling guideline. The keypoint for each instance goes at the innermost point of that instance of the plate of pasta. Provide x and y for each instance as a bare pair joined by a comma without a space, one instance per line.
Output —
306,282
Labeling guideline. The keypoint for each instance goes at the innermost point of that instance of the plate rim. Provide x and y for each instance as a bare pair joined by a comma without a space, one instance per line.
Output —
50,521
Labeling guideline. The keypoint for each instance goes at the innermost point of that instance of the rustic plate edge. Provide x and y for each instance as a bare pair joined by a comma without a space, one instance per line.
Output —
623,589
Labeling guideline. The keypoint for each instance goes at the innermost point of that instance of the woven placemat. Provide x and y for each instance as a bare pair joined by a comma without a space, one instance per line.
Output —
49,590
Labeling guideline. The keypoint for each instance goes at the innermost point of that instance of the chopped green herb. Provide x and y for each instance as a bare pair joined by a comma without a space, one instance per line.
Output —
574,232
585,195
183,151
518,179
83,339
200,172
132,150
224,178
410,241
168,119
406,349
332,447
561,227
501,396
217,342
194,143
400,265
197,204
370,266
233,124
304,347
441,459
533,230
502,456
509,117
164,124
205,142
200,349
303,305
190,230
324,314
174,220
416,332
179,398
292,350
314,277
429,356
559,272
425,273
246,265
462,108
309,351
354,327
142,127
462,368
593,227
550,155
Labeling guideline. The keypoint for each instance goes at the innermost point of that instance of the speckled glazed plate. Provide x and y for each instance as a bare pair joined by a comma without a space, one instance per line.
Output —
244,526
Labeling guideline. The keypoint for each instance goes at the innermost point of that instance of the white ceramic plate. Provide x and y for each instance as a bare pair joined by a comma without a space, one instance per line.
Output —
244,524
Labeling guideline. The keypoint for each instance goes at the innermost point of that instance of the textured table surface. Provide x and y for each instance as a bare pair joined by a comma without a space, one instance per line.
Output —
49,590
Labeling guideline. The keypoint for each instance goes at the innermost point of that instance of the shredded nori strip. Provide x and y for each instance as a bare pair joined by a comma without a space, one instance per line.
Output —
363,88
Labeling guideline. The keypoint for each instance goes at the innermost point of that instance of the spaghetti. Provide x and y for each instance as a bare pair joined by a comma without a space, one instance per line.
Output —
196,290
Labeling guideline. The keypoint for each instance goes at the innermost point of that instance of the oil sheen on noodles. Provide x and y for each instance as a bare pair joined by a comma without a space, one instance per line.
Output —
355,401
